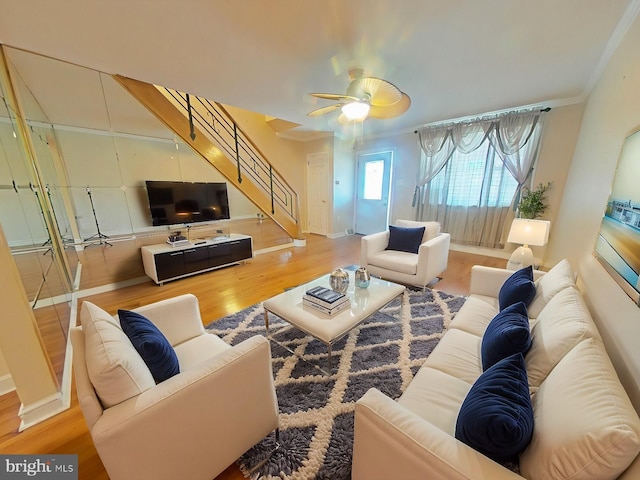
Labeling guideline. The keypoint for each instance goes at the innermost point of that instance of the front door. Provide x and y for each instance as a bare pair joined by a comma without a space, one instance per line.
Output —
372,196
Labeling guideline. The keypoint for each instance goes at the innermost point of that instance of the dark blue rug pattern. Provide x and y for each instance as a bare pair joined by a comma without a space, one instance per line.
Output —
316,410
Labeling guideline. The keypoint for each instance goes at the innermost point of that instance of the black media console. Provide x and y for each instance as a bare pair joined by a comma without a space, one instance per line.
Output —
164,262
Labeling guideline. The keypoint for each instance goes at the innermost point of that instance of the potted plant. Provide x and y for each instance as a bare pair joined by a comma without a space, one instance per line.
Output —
532,202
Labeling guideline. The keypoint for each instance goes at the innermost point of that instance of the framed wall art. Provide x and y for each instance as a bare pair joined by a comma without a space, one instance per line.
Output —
618,243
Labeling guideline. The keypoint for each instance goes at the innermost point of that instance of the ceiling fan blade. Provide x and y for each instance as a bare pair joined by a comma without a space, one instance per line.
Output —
390,111
323,110
381,92
333,96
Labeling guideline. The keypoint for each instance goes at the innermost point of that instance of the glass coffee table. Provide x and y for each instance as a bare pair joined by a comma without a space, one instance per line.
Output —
329,329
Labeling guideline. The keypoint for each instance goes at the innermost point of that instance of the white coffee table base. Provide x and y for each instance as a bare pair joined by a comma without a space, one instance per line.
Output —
328,330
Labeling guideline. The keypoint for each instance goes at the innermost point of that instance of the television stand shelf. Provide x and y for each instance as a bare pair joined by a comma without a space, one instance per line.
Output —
164,262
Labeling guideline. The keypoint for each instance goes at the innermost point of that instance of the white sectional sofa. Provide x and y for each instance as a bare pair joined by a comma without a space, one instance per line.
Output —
585,426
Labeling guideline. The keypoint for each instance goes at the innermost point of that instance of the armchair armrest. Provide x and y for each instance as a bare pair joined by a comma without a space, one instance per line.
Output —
433,257
178,318
228,403
372,244
393,442
488,280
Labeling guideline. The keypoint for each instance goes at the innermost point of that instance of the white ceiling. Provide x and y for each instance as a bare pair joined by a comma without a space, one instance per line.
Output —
454,58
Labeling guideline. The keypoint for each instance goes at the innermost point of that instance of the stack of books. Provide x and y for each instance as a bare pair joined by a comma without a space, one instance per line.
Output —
326,300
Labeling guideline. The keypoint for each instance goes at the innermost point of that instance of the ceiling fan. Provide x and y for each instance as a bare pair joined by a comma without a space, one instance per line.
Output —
366,97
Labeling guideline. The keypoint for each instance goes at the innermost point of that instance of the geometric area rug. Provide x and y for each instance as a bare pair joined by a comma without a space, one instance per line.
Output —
317,410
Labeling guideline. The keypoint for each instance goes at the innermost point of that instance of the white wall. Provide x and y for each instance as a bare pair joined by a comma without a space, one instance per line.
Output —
344,181
611,114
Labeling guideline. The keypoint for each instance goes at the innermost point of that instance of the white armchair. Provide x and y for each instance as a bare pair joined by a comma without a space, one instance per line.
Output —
192,425
417,269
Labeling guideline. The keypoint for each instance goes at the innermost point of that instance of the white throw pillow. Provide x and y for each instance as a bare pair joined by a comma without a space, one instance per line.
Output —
563,323
116,370
585,425
555,280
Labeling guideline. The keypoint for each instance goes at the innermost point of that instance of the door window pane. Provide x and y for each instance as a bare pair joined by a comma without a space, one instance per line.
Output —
373,174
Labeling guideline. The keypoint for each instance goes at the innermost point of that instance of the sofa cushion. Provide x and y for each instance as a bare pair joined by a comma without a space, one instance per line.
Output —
405,239
151,344
586,426
475,314
435,396
402,262
199,349
496,417
555,280
116,370
507,333
561,325
457,354
431,229
519,287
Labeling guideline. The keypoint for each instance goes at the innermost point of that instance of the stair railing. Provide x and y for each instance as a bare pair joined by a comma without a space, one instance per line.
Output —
215,121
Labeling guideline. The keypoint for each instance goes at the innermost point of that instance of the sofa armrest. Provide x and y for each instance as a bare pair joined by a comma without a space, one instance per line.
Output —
393,442
178,318
488,280
372,244
433,257
227,403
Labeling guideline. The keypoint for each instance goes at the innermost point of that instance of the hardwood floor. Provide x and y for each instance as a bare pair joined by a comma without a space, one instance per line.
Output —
220,293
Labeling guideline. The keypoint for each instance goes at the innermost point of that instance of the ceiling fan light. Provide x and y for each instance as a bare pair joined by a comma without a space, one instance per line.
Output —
356,110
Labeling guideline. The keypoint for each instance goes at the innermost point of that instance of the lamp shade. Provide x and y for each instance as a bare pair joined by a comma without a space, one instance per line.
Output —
529,232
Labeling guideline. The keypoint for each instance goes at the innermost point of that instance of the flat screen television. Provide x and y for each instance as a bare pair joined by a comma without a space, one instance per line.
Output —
173,203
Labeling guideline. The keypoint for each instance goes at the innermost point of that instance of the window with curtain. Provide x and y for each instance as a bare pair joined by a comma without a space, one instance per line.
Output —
474,179
471,174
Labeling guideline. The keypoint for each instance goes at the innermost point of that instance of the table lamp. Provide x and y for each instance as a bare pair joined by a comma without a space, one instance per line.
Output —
526,232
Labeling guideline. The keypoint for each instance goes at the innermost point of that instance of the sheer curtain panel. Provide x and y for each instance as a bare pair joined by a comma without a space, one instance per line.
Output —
471,174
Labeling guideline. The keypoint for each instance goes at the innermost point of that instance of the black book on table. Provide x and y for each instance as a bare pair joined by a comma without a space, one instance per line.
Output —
325,294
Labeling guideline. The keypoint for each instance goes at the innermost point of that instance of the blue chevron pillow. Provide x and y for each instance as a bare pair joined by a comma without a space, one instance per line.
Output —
496,417
506,334
151,344
519,287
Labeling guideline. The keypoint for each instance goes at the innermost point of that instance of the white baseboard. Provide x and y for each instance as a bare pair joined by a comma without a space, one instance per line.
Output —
110,286
6,384
275,248
487,252
41,410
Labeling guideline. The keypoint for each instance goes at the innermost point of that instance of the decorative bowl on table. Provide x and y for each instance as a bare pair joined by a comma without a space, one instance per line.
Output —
339,280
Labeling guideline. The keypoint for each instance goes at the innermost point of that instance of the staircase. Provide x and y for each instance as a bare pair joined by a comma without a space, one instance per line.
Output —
211,132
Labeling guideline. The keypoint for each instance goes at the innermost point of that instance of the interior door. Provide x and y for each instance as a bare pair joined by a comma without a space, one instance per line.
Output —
317,192
372,196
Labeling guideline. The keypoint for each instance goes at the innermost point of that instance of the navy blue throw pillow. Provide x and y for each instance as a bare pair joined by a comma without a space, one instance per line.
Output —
519,287
151,344
405,239
506,334
496,417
